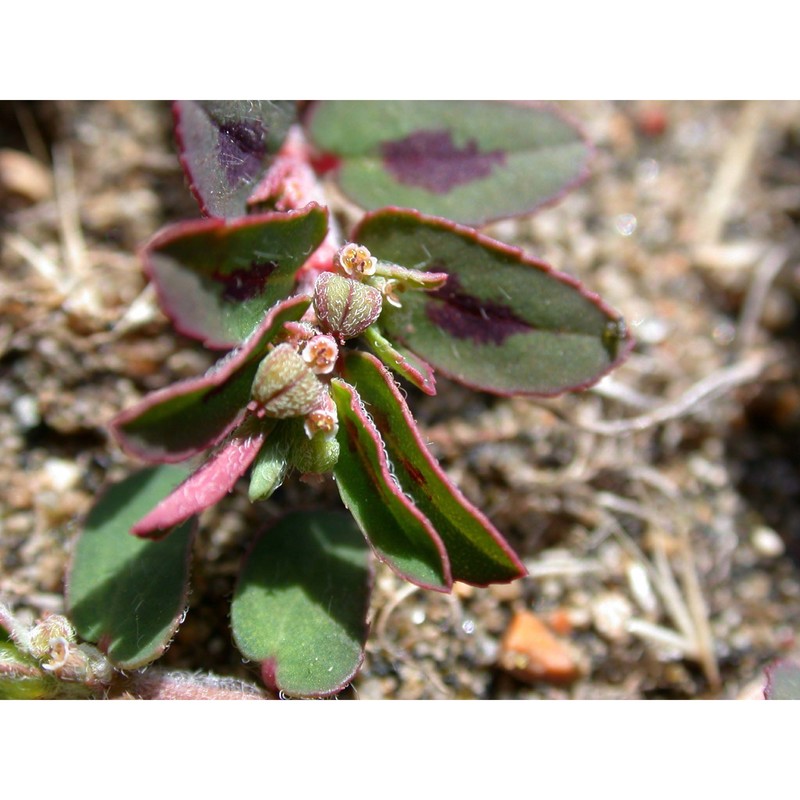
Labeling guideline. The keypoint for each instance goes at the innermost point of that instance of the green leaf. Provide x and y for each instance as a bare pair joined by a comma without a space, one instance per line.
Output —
215,279
301,603
503,322
182,420
21,677
478,553
270,467
226,147
404,363
126,594
398,531
471,161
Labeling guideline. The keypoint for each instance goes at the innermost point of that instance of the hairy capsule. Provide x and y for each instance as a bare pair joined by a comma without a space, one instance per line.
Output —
344,307
285,386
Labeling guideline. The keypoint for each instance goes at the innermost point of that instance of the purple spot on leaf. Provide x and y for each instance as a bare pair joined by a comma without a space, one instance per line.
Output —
242,147
242,284
465,316
415,474
431,160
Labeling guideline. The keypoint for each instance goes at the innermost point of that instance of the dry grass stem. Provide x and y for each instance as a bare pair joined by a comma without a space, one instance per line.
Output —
763,277
732,170
44,266
719,382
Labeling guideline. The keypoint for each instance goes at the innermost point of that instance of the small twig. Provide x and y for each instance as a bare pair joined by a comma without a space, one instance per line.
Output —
563,567
670,592
661,636
614,502
578,470
142,311
764,276
380,631
719,382
689,615
624,395
32,133
69,216
658,570
657,480
697,606
730,174
694,606
40,262
388,609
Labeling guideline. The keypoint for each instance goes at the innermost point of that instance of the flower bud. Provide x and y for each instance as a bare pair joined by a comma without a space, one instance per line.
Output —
323,419
320,353
53,632
285,386
345,307
354,259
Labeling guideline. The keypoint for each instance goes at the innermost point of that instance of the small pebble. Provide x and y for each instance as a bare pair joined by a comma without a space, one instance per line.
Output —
712,474
61,474
25,409
766,542
653,330
611,612
625,224
531,652
23,175
652,120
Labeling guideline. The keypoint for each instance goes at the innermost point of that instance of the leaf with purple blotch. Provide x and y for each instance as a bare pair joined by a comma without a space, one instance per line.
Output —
207,485
477,551
301,602
398,531
226,146
181,421
503,322
125,594
471,161
215,279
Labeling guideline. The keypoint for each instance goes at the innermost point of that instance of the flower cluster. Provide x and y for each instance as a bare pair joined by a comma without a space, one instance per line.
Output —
287,419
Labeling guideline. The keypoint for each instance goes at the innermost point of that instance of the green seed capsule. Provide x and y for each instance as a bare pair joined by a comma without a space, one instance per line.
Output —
315,456
345,307
284,385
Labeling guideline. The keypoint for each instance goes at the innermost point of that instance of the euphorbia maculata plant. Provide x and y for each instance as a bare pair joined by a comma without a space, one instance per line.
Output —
317,328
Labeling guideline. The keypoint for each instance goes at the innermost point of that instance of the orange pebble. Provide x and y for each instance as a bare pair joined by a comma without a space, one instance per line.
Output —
531,652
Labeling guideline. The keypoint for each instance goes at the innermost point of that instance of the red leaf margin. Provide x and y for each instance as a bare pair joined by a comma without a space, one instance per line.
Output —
436,468
356,406
626,343
326,162
188,228
221,372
